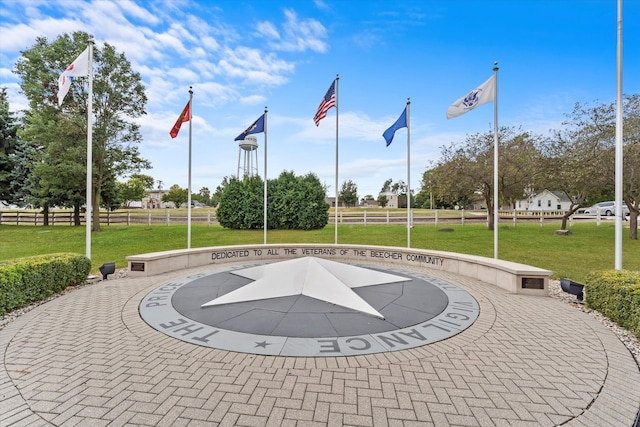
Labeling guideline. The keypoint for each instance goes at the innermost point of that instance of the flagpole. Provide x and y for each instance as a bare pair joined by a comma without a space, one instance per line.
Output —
89,201
408,173
189,179
495,163
336,190
265,175
619,146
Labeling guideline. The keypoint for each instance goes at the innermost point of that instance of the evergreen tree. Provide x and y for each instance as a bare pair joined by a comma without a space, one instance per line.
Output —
293,203
8,146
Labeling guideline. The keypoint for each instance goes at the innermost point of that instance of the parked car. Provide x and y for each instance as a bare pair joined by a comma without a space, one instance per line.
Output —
606,209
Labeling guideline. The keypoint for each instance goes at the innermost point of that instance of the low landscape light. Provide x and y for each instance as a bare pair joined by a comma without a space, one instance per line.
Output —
573,288
107,268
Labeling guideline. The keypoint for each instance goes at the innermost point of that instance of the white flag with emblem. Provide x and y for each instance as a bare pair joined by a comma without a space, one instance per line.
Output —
480,95
78,68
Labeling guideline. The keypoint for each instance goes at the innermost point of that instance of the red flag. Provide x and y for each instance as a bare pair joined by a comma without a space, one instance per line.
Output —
185,116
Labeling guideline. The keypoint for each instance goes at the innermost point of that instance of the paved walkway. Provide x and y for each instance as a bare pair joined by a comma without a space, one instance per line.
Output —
87,359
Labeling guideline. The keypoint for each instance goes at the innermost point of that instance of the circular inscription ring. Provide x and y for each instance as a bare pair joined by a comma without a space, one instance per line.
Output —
411,311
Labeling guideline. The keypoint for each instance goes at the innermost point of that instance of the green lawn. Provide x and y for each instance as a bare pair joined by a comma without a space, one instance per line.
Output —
589,248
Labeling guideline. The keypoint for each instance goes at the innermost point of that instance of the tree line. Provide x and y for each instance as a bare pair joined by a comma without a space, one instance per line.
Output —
43,154
578,160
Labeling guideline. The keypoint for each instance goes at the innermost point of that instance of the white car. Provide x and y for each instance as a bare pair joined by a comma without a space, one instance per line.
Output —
606,209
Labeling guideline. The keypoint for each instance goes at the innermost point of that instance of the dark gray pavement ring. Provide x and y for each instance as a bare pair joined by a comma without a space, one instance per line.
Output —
419,311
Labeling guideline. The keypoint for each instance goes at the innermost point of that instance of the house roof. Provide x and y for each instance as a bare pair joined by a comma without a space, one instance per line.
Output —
561,196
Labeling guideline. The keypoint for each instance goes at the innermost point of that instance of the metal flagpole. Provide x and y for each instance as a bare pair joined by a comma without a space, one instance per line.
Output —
265,175
189,186
619,146
408,174
88,210
336,199
495,163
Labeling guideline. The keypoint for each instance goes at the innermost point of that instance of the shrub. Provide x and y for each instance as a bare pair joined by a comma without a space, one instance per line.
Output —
616,294
294,203
27,280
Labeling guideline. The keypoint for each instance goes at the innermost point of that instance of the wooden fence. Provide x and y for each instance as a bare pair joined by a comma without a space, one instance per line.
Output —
438,217
148,217
364,217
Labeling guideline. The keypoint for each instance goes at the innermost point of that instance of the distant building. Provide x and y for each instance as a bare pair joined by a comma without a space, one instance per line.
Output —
478,202
153,200
331,202
392,199
545,201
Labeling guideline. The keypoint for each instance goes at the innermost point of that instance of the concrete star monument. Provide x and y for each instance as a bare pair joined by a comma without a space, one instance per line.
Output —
317,278
309,307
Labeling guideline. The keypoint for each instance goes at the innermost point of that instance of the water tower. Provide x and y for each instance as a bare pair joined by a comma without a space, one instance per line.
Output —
248,156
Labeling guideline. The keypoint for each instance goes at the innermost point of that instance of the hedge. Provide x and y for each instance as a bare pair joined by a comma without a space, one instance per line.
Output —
616,294
27,280
294,203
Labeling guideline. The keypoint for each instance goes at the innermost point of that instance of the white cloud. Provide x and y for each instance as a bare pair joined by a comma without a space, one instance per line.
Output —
268,30
6,74
353,125
252,100
132,9
217,93
206,69
17,101
303,34
209,44
24,36
156,126
320,4
254,67
298,35
183,74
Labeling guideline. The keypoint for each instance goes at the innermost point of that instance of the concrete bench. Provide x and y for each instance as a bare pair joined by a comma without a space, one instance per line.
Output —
513,277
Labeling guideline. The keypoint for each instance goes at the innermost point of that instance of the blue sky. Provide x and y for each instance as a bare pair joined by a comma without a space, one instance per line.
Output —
241,56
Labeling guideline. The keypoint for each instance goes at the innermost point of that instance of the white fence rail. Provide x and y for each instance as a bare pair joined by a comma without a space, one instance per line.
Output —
363,217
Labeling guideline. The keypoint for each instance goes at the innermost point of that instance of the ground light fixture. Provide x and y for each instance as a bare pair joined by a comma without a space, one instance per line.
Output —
107,268
574,288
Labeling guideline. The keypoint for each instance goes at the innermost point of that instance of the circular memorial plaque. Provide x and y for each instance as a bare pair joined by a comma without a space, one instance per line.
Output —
309,307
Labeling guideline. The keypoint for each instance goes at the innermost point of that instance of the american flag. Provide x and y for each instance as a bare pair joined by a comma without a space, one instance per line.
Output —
327,102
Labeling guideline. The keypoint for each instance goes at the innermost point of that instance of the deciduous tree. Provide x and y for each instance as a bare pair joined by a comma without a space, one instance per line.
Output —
203,196
135,189
631,168
348,194
118,97
578,156
467,169
177,195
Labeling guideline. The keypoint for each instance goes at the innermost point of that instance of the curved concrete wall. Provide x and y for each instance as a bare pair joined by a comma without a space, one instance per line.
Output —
513,277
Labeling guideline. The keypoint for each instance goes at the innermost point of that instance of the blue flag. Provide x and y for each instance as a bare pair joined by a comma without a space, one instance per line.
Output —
256,127
400,123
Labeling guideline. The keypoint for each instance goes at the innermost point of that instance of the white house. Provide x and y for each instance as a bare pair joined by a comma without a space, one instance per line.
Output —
392,199
545,201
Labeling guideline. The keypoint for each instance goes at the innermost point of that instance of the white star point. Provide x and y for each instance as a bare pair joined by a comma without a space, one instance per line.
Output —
317,278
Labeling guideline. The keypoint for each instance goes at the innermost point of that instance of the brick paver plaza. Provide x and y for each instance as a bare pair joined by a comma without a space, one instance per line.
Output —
88,359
